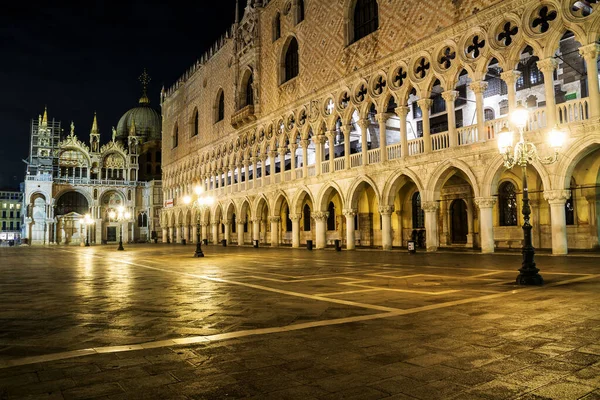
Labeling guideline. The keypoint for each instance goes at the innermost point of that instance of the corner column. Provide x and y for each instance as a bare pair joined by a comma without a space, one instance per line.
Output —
386,226
547,66
321,233
350,229
295,229
486,220
275,231
431,224
557,200
590,54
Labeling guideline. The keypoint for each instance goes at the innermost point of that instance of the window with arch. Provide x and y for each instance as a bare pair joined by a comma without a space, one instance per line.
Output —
220,107
292,61
195,123
530,74
276,27
175,136
488,114
248,99
331,217
300,11
233,224
306,214
418,215
507,204
142,220
366,18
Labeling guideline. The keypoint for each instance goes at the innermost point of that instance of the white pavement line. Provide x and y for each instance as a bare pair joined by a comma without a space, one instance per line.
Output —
430,293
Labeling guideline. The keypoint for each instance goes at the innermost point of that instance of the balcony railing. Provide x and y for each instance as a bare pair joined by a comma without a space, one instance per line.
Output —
340,163
440,141
415,146
394,151
355,160
243,116
374,156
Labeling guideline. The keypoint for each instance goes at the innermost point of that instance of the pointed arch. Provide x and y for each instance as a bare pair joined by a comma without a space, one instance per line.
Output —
302,195
489,186
359,182
219,106
290,60
395,182
443,172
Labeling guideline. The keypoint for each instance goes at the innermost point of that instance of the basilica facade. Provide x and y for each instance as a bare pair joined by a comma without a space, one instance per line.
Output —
376,123
67,179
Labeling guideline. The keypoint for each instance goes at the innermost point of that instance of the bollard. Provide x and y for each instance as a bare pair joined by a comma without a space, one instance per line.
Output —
224,243
255,244
183,242
309,245
338,246
412,247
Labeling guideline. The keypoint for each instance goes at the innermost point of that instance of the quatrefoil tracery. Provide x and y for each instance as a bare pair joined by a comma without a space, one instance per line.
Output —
447,56
474,50
422,68
545,16
508,31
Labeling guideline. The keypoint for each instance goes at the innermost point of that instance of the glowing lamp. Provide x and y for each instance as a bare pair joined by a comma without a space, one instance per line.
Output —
519,117
505,140
556,138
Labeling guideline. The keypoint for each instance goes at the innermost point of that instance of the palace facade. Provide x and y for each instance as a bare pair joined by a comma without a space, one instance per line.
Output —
376,123
67,179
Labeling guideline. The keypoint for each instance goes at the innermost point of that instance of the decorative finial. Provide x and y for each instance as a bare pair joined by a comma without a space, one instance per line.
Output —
132,128
45,117
72,128
95,124
145,80
237,12
114,134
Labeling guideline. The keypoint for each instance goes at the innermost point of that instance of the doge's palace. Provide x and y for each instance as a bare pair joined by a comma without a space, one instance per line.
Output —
377,122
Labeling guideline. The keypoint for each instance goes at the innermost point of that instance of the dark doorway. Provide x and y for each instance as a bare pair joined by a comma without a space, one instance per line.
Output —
111,234
458,217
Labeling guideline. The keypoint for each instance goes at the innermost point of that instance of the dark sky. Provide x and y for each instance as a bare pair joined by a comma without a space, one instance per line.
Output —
87,57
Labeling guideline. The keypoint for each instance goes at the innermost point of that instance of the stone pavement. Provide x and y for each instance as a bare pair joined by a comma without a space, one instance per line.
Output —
154,323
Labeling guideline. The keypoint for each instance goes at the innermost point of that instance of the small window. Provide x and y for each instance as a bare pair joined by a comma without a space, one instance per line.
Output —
292,61
249,92
488,114
300,11
331,217
306,218
507,204
176,136
366,18
277,27
195,123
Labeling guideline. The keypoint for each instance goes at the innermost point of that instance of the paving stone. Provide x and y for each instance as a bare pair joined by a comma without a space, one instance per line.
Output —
91,391
564,391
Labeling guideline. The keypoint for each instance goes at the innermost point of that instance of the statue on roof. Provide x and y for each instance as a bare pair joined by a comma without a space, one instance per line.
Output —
114,134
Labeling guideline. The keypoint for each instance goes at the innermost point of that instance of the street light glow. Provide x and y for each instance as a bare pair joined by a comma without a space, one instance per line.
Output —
556,138
505,140
519,117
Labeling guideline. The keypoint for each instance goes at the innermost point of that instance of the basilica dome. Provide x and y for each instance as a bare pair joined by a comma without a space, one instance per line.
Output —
145,119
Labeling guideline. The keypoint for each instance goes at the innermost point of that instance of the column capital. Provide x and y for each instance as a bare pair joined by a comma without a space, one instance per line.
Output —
547,65
295,217
386,210
485,202
402,111
273,153
304,143
559,196
282,151
320,215
346,129
363,123
203,224
319,139
382,117
274,219
590,51
425,103
450,95
479,87
430,206
256,220
293,147
349,212
510,77
240,165
225,221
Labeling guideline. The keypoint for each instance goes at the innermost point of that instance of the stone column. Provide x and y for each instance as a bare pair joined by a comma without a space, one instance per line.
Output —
425,105
510,78
402,113
400,228
304,144
272,156
363,124
239,176
445,240
263,169
350,229
320,228
178,233
346,129
470,224
450,97
331,140
227,234
282,153
275,231
215,232
256,229
293,148
295,229
254,169
479,88
247,173
194,237
486,221
165,233
547,66
386,226
240,231
171,237
431,224
186,233
382,119
318,153
204,229
557,200
590,54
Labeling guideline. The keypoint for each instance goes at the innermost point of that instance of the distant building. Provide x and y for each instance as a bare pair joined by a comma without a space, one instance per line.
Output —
67,179
10,215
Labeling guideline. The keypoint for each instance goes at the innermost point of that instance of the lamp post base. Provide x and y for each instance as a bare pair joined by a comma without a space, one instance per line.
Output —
120,247
198,252
530,279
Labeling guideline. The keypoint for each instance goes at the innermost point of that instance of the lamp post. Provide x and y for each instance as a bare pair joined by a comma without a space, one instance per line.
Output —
87,221
198,203
121,215
521,154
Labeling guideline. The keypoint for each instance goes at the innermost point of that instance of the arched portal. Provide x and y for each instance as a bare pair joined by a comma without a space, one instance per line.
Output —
458,222
364,200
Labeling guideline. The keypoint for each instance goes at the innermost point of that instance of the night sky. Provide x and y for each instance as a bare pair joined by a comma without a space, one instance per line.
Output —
86,57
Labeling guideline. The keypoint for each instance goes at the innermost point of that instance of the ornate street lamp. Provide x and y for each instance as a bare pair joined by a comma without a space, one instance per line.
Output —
121,215
87,221
521,154
198,203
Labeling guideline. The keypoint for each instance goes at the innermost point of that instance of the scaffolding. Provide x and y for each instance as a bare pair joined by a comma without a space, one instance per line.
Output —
43,157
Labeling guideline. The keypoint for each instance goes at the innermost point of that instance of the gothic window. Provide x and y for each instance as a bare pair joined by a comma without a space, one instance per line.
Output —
488,114
530,74
249,100
288,221
366,18
306,212
418,215
507,204
331,217
300,11
220,107
277,27
176,136
292,61
195,123
233,224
